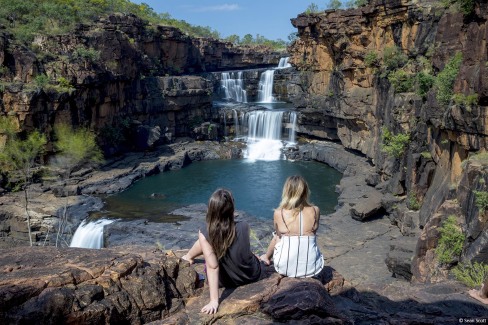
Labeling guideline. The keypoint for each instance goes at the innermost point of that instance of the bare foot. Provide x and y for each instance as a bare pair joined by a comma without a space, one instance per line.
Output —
188,259
476,295
265,259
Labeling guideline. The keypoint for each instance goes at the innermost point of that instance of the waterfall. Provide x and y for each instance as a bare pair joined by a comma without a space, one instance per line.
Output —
90,234
292,128
233,86
237,130
284,63
265,92
265,134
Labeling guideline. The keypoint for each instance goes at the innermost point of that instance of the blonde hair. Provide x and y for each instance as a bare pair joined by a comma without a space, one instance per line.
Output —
220,222
295,194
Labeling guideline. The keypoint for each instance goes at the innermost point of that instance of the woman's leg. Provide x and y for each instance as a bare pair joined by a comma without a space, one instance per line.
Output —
195,250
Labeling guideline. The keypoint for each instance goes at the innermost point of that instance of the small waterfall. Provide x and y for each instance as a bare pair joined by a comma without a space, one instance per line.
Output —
237,129
293,125
265,134
233,86
284,63
265,92
90,234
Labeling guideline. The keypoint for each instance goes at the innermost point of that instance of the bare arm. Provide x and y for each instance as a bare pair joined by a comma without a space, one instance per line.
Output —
212,273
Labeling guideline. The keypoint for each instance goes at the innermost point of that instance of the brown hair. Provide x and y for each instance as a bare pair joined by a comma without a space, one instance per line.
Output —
220,221
295,194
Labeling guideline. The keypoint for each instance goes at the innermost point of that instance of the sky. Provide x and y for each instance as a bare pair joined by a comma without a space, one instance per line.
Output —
268,18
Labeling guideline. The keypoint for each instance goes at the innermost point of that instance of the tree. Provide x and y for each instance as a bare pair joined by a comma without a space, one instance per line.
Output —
20,155
76,148
334,4
312,9
247,39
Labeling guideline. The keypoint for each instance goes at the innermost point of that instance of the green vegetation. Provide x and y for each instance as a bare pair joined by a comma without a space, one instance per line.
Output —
444,81
371,59
481,198
466,100
426,155
28,18
41,81
334,4
20,155
425,81
393,145
450,242
76,148
312,8
471,274
412,202
394,58
465,6
401,80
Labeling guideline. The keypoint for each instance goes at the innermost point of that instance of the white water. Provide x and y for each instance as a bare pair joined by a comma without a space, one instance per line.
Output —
233,86
284,63
90,234
265,134
265,92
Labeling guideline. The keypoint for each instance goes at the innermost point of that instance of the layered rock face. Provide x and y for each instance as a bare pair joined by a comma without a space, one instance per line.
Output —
116,71
346,93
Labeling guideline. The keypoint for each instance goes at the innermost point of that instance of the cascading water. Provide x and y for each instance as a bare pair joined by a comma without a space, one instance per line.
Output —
265,92
90,234
265,133
233,86
284,63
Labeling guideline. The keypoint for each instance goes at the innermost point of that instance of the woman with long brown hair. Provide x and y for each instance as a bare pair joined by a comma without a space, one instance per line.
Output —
294,245
226,248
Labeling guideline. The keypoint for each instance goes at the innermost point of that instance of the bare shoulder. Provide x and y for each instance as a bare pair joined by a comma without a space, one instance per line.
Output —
313,209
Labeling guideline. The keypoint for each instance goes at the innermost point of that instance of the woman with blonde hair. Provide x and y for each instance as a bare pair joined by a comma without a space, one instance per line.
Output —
294,245
226,247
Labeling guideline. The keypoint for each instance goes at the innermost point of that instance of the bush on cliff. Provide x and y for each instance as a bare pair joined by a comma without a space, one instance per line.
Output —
445,79
20,155
450,244
471,274
393,145
465,6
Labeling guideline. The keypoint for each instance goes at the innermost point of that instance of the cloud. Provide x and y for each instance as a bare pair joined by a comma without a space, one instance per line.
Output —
222,7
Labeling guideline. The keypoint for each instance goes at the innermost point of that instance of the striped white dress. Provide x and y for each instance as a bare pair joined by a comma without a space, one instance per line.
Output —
298,256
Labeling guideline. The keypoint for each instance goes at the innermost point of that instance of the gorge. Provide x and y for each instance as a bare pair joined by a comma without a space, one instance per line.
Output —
358,79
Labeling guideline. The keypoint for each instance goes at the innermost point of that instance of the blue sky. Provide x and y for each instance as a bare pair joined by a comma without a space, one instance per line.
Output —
269,18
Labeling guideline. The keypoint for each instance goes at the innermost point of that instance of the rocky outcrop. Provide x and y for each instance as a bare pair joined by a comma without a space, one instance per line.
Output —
114,75
52,286
344,93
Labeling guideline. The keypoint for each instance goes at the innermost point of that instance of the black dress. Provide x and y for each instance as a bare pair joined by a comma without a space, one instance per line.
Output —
239,265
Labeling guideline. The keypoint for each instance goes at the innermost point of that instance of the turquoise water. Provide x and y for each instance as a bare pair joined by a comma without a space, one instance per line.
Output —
256,187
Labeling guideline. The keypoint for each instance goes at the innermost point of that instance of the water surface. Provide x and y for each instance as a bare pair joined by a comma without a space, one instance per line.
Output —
256,186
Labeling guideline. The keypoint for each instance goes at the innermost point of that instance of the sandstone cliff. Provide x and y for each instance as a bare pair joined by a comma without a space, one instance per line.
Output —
115,71
347,91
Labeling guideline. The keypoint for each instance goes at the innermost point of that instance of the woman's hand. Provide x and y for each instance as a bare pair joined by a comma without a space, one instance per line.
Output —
210,308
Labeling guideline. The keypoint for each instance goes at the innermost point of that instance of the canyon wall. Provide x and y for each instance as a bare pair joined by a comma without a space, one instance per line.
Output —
115,72
347,91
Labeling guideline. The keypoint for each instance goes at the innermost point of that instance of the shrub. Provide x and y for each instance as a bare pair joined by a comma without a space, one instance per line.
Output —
413,203
394,145
41,81
471,274
334,4
444,81
84,53
401,81
450,242
465,6
466,100
481,199
394,58
371,59
425,81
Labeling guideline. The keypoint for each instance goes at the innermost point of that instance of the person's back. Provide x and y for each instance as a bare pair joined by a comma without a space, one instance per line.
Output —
294,245
296,253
